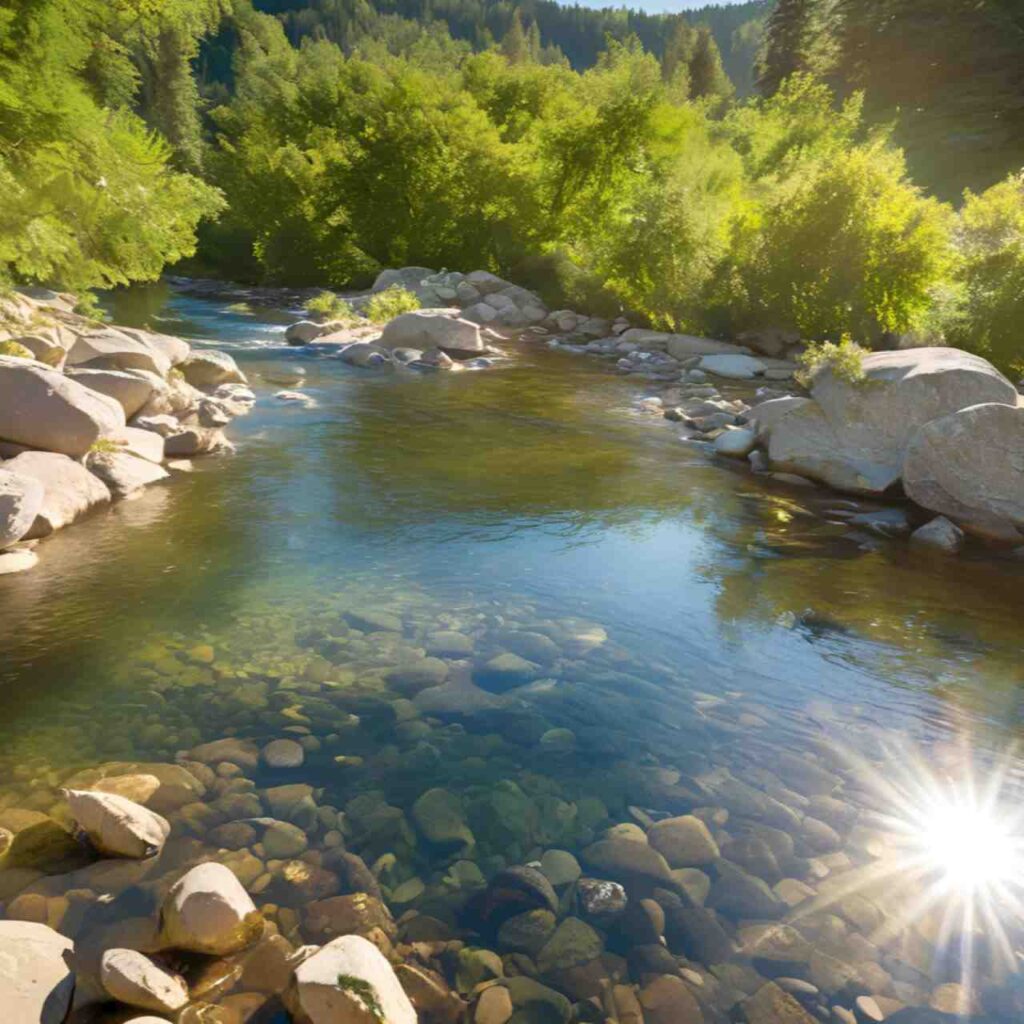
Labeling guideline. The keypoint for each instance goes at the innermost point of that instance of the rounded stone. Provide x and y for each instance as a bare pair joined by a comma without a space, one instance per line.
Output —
283,754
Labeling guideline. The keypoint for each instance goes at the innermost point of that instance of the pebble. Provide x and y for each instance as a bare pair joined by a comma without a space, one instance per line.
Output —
283,754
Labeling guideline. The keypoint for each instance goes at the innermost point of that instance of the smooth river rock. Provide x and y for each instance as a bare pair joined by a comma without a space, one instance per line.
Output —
110,349
123,473
348,981
117,826
69,489
429,328
969,467
136,980
855,436
208,911
36,983
684,841
21,497
41,408
208,368
131,390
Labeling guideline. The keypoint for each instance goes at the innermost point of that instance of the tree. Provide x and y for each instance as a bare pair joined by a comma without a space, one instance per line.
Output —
787,45
514,43
707,77
679,52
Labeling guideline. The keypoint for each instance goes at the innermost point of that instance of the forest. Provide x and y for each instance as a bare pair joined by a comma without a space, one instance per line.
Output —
835,167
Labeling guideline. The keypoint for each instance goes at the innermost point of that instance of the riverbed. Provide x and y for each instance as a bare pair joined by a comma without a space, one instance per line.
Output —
684,620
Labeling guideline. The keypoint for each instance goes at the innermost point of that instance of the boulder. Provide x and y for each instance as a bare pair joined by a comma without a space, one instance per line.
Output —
174,349
738,443
429,328
208,911
629,862
763,417
130,390
136,980
21,498
683,346
144,444
348,981
208,368
969,467
161,787
112,349
69,489
117,826
411,278
195,441
36,983
485,282
480,313
304,331
365,354
48,344
41,408
854,436
123,473
733,366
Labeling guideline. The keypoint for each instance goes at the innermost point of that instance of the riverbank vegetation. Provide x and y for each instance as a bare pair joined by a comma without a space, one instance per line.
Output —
310,145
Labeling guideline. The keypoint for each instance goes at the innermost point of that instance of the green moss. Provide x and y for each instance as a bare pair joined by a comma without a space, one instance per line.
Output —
15,348
391,302
364,992
105,446
844,358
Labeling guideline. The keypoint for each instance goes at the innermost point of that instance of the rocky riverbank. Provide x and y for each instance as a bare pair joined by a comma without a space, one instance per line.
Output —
939,427
92,413
391,813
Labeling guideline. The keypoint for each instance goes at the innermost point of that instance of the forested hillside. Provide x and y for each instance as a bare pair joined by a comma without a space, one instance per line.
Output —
948,73
317,144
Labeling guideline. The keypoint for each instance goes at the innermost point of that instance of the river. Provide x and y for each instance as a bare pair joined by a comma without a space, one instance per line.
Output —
684,622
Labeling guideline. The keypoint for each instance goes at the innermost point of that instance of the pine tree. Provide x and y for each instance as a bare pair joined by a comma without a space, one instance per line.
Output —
679,50
707,76
787,47
514,44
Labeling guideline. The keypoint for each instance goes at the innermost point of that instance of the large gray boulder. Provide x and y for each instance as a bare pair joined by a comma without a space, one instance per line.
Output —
124,473
969,467
117,826
175,350
682,346
348,980
430,328
69,489
208,368
131,390
854,436
36,983
21,497
111,349
411,278
41,408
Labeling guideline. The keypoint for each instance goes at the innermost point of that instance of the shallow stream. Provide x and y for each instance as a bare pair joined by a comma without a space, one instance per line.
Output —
671,635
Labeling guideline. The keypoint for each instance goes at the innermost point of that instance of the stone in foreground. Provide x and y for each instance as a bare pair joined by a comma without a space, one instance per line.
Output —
939,535
41,408
969,467
349,981
136,980
36,984
429,328
69,489
117,826
208,368
21,497
123,473
855,436
208,911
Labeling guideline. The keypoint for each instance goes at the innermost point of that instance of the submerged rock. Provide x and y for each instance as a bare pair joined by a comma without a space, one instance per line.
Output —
684,841
350,981
940,534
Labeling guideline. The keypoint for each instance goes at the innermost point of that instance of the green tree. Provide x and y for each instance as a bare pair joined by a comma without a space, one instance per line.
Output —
708,79
991,275
788,43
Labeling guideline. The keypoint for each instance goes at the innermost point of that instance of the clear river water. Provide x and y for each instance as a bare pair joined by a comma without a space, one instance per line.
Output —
515,586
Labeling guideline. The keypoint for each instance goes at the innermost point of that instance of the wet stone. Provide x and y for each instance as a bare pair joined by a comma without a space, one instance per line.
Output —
526,933
574,942
283,753
683,842
771,1005
601,900
374,621
668,1000
741,895
505,672
560,867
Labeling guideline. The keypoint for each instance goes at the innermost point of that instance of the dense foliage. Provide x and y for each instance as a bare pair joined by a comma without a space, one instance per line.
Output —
601,157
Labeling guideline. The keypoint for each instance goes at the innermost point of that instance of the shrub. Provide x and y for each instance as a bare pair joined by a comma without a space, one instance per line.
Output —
87,305
990,235
391,302
843,358
15,348
328,306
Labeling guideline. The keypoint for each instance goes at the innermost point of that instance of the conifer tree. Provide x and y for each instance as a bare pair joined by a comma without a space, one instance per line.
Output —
788,42
707,76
